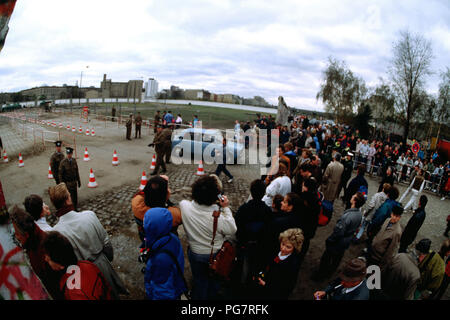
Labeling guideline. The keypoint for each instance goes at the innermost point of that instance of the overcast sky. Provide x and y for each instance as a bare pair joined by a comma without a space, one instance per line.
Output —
248,48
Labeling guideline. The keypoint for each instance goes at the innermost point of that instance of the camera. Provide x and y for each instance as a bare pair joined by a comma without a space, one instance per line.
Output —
144,255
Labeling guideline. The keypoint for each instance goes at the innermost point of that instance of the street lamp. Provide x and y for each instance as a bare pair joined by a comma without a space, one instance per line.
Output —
81,79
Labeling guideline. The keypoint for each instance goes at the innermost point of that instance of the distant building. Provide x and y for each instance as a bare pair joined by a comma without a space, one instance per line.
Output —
197,94
52,92
151,89
131,89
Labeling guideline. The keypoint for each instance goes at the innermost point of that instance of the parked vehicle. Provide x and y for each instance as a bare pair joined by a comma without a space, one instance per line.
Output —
198,140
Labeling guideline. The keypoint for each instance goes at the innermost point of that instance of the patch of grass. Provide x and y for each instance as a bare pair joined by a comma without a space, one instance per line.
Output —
211,117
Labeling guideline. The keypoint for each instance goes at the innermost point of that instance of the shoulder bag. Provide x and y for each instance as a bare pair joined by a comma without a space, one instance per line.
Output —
222,263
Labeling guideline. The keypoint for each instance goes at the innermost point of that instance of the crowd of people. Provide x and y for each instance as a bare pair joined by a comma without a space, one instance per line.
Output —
271,232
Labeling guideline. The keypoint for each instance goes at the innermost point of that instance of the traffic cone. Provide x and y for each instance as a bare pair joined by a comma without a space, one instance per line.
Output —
86,155
5,156
143,181
73,129
21,164
80,130
92,132
50,174
115,161
200,171
153,165
87,131
60,125
92,183
68,127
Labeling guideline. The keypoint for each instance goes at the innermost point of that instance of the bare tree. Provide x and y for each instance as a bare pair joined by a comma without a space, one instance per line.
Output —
408,70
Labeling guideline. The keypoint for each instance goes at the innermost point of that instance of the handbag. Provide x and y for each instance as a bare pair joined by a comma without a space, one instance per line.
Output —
221,265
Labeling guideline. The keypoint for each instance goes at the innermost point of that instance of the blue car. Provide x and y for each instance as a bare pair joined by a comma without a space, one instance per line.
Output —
200,142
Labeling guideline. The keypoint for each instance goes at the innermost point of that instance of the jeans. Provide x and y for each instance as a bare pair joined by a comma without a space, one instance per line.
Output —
222,167
204,286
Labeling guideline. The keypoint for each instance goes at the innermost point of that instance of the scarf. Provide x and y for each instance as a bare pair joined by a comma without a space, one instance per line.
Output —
62,211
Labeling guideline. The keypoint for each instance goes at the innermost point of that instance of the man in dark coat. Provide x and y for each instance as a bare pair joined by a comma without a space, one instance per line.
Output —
157,121
339,241
55,161
113,114
129,124
138,124
414,224
355,185
252,220
350,285
347,174
162,143
68,173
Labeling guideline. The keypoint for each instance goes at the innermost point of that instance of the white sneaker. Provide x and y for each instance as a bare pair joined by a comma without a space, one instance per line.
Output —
443,198
230,181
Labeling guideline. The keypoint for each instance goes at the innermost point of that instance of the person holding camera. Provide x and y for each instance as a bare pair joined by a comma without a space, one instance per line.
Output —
198,221
279,277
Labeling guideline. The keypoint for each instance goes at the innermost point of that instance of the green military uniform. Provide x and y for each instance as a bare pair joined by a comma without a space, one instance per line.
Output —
55,161
129,124
138,122
157,121
68,173
163,148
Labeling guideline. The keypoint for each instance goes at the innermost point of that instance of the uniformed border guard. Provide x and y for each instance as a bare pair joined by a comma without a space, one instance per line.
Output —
55,161
68,173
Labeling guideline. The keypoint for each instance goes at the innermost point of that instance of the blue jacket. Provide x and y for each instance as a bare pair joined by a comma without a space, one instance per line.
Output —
168,117
162,279
316,140
383,213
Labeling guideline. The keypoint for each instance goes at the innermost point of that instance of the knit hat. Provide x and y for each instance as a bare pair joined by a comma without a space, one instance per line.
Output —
355,270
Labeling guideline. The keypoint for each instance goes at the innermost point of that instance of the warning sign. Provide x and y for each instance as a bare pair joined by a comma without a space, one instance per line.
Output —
415,147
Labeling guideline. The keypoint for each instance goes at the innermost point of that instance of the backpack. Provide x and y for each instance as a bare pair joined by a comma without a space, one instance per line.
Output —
364,190
326,210
93,284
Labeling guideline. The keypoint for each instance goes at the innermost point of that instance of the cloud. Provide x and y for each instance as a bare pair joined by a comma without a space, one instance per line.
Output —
248,47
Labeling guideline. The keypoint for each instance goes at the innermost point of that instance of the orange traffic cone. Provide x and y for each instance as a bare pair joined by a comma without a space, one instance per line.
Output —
5,156
21,164
50,174
143,181
153,165
87,131
80,130
92,132
73,129
115,161
92,183
200,171
86,155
